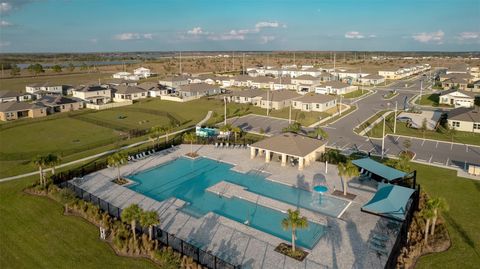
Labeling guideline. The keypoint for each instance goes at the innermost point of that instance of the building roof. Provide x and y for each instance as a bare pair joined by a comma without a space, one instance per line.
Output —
91,88
148,85
373,76
465,114
196,87
16,106
56,100
43,84
390,201
122,89
316,98
248,93
262,79
306,77
335,84
290,144
379,169
281,95
175,78
8,94
467,93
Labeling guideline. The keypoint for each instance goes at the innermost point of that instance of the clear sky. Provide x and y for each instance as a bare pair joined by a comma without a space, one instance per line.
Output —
165,25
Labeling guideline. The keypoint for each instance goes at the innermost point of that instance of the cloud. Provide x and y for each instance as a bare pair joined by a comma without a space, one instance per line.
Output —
232,35
5,24
5,7
93,40
235,34
469,35
4,44
266,39
9,6
372,36
197,31
354,35
133,36
433,37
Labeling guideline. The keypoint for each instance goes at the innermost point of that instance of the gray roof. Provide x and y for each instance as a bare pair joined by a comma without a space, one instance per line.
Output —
465,114
316,98
335,84
148,85
470,94
91,88
306,77
7,94
16,106
290,143
175,78
196,87
122,89
248,93
373,76
280,95
43,84
56,100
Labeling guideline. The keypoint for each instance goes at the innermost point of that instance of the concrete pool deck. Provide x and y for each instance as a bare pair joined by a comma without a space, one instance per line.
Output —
344,244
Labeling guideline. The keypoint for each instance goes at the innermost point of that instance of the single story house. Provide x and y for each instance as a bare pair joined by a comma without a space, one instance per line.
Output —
122,75
48,87
315,102
464,119
94,94
250,96
456,80
277,99
306,80
335,87
56,104
457,98
289,148
17,110
209,79
11,96
197,90
174,81
142,72
154,89
122,93
372,79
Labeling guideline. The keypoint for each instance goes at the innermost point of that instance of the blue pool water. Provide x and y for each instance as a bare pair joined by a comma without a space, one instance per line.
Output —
188,180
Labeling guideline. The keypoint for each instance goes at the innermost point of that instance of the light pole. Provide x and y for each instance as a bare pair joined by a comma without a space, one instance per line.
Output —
290,113
341,96
268,102
395,119
225,110
383,137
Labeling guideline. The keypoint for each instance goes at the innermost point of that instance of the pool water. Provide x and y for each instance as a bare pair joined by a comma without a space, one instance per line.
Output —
188,180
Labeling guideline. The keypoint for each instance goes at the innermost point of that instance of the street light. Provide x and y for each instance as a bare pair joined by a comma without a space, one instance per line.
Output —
383,137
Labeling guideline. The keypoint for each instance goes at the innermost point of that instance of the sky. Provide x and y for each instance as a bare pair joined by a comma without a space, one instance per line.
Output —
217,25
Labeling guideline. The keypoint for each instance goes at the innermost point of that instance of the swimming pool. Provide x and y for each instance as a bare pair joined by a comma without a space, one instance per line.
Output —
188,180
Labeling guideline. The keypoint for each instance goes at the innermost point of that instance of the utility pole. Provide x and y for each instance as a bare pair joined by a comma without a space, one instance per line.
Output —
290,114
334,62
395,119
225,110
421,89
233,61
180,63
268,100
383,136
243,64
341,96
294,62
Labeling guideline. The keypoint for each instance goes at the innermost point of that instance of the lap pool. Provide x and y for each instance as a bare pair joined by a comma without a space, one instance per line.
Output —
188,180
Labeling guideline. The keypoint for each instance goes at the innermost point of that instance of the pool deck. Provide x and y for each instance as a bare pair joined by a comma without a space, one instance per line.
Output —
344,244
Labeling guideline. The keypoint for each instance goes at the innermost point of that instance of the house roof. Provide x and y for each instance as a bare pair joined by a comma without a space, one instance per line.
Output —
373,76
282,95
306,77
290,143
379,169
148,85
16,106
248,93
56,100
175,78
316,98
335,84
196,87
8,94
465,114
43,84
91,88
262,79
122,89
467,93
390,201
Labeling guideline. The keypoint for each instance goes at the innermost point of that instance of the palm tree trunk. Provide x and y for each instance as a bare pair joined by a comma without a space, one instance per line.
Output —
191,147
434,221
293,239
426,231
41,175
133,223
344,180
150,232
53,170
118,176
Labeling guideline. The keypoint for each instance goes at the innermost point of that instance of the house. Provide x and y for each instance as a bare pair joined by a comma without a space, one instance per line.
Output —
197,90
372,79
142,72
464,119
122,75
174,81
262,82
457,98
48,87
209,79
309,71
94,94
456,80
283,83
335,87
250,96
11,96
123,92
56,104
390,73
154,89
277,99
17,110
315,102
306,80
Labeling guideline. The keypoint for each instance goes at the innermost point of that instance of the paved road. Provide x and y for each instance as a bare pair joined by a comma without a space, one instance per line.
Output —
341,134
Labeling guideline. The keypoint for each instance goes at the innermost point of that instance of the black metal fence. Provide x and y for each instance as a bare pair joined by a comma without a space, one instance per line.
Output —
402,237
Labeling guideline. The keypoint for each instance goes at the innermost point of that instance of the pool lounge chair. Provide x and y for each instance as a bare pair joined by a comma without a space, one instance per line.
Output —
380,237
378,249
216,144
377,243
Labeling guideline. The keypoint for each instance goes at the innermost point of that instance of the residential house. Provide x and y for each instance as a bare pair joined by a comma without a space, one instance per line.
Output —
283,83
456,80
306,80
262,82
11,96
48,87
457,98
56,104
122,93
174,81
122,75
464,119
142,72
277,99
249,96
197,90
372,79
94,94
209,79
17,110
315,102
335,87
154,89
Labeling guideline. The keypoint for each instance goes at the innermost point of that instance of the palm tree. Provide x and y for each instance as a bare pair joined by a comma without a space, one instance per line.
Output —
294,128
320,133
427,214
347,171
294,221
155,134
131,215
190,138
424,127
148,219
226,128
41,161
236,131
52,161
436,204
117,159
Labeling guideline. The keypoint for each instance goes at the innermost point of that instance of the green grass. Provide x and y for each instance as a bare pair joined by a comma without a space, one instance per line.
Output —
128,119
369,121
18,84
402,129
355,94
428,100
390,95
304,118
462,196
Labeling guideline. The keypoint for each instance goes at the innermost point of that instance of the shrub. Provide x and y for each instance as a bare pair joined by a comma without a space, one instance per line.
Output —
166,258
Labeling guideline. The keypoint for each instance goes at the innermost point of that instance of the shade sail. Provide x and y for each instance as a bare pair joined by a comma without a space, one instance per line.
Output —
379,169
390,201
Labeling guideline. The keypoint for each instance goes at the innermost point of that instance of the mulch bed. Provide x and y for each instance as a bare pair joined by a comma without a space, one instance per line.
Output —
192,155
122,181
349,196
286,249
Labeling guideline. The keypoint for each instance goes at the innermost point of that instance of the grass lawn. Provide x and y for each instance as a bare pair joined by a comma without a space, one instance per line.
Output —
304,118
355,94
128,118
462,196
402,129
428,100
370,120
18,84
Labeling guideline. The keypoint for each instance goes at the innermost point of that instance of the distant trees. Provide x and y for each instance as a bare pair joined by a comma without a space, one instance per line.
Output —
14,70
57,68
71,67
36,69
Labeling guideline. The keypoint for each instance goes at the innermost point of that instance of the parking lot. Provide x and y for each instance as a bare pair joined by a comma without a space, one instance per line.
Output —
257,123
